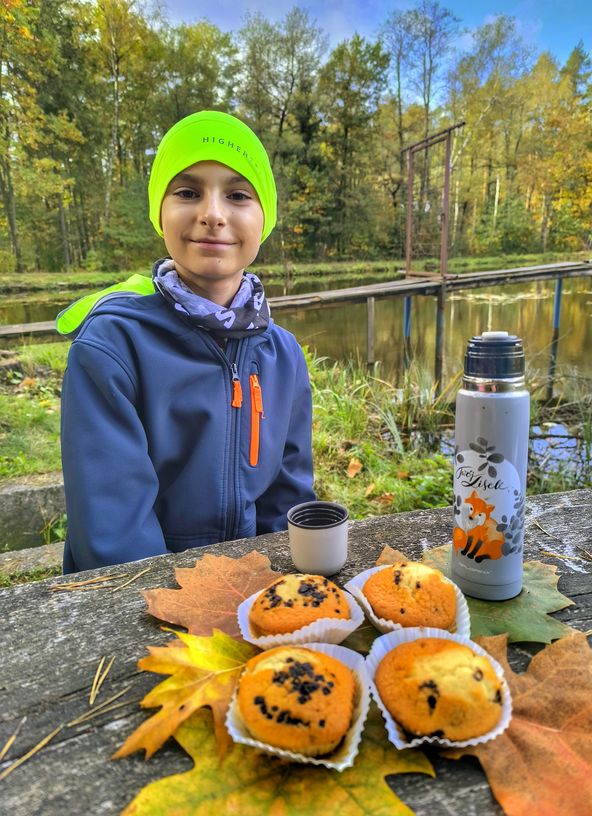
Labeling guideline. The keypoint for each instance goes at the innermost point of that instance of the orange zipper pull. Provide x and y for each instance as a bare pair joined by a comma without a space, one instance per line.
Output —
237,391
256,415
257,396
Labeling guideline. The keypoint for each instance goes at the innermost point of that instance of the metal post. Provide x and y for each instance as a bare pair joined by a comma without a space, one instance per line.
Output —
407,300
409,229
555,338
439,364
370,304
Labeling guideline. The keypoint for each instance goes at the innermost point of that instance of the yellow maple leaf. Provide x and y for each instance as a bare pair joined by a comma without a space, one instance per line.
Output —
251,783
204,672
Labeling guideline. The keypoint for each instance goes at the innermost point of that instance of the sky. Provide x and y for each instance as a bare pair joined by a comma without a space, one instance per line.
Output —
545,25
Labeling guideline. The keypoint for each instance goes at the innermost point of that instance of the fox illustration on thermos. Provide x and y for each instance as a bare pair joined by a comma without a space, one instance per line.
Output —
482,539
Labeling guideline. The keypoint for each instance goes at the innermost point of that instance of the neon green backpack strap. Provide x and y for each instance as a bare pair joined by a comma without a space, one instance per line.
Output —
71,318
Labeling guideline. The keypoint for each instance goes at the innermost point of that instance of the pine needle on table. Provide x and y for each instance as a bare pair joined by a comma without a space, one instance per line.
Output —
99,678
546,532
100,709
87,584
30,753
7,745
133,578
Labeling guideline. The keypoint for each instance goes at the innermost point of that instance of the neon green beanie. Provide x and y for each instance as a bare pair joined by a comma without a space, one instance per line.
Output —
213,136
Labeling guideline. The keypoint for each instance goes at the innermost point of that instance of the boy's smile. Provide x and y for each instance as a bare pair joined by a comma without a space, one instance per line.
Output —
212,223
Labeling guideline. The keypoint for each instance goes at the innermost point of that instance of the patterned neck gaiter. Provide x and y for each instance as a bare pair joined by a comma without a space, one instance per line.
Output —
247,314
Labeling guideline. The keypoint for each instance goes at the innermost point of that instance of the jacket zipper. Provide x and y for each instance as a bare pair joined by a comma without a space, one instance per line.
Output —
233,351
256,416
237,391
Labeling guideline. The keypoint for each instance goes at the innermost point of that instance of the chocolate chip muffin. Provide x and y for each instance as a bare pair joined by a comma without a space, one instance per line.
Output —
440,688
297,699
412,594
293,601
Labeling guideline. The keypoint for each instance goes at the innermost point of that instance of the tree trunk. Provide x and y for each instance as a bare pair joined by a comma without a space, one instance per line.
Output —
496,199
545,221
64,233
10,211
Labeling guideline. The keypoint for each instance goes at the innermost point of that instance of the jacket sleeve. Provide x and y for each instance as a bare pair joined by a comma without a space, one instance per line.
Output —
109,479
294,482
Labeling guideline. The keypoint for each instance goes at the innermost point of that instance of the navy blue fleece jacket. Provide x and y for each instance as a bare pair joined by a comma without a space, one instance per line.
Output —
155,456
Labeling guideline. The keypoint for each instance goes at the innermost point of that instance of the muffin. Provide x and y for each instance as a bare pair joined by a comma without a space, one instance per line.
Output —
412,594
439,688
293,601
297,699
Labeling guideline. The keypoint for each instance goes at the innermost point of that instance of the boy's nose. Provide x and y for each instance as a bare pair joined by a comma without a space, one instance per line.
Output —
211,212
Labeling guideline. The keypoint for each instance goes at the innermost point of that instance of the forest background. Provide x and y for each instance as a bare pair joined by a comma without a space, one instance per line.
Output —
87,90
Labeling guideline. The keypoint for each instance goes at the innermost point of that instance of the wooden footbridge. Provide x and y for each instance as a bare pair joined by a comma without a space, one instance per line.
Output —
407,286
415,284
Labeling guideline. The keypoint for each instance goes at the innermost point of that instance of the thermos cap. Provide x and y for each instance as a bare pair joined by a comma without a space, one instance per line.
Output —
495,355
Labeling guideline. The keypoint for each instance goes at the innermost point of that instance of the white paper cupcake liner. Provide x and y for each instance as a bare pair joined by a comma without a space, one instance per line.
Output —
323,630
345,753
385,643
356,584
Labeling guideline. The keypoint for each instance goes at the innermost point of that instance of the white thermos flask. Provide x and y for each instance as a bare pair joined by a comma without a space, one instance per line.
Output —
490,460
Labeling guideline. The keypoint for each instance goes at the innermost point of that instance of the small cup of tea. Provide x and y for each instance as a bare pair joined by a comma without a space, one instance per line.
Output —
318,537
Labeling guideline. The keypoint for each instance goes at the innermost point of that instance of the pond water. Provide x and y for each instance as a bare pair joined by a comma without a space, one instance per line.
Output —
339,332
526,310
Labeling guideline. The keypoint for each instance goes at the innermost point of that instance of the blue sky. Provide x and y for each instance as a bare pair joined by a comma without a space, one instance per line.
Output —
545,25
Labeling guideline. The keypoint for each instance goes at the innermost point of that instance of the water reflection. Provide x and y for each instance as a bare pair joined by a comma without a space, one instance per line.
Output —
340,332
552,449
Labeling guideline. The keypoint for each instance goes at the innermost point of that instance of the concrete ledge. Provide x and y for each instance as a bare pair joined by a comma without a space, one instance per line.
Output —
26,508
35,558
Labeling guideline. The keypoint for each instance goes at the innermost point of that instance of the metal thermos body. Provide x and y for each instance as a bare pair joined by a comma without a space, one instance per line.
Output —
490,461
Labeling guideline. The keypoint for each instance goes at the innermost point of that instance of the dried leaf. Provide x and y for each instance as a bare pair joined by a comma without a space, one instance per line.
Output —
404,475
390,556
211,592
386,499
252,784
543,763
354,467
369,490
204,673
524,618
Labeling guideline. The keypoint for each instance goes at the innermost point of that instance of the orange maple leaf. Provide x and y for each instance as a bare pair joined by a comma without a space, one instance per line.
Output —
542,764
354,467
211,592
204,672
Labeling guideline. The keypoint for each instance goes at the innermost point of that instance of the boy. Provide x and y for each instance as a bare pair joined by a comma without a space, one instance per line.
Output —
186,412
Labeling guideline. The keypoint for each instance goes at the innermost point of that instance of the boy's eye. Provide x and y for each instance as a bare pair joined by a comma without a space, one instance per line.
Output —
185,193
238,196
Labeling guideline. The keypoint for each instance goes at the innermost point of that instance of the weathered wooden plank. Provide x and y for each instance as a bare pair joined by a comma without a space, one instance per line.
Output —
51,644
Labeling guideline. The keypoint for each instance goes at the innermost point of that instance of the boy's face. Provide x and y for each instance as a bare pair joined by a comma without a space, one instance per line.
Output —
212,223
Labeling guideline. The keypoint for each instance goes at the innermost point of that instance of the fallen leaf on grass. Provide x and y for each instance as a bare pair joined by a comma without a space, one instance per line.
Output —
354,467
524,618
211,592
252,784
542,764
204,673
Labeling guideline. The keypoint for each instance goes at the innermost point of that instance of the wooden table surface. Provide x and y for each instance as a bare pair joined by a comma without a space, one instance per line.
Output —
51,643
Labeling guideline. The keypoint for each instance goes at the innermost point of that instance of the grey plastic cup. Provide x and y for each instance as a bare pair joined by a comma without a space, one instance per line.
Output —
318,533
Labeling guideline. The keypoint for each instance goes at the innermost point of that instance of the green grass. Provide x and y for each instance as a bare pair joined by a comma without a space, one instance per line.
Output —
376,446
39,574
30,411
